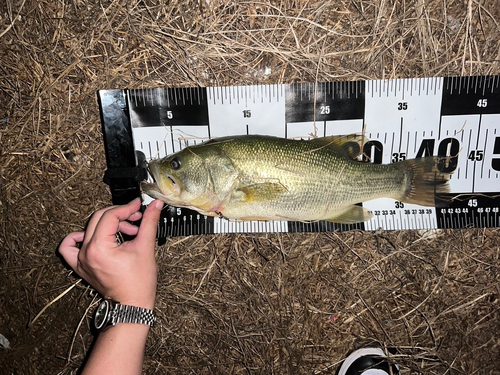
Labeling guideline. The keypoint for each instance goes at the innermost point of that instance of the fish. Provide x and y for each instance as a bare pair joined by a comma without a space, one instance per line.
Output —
259,177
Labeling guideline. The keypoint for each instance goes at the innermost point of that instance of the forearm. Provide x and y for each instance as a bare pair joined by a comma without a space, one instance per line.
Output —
118,350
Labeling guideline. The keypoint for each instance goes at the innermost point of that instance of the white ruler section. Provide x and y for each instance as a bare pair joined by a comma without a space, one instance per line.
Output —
401,114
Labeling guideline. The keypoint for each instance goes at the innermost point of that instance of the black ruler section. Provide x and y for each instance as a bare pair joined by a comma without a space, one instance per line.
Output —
322,226
173,107
475,95
470,95
469,211
123,175
324,101
123,109
176,221
169,107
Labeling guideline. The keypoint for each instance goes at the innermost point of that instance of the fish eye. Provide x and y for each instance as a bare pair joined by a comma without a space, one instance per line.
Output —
175,163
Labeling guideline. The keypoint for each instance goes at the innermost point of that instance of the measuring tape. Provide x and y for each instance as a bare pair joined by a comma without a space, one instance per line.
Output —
458,117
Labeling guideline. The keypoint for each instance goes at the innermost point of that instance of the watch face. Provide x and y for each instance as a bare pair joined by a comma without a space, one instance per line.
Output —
101,314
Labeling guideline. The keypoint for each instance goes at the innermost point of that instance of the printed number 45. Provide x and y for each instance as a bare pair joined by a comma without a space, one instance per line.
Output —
482,103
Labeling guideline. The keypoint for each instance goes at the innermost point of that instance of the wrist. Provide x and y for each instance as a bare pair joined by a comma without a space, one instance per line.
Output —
110,313
140,298
146,303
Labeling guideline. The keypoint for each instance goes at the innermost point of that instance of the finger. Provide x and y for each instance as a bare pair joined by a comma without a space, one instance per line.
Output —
96,217
109,223
127,228
135,216
92,224
68,248
149,224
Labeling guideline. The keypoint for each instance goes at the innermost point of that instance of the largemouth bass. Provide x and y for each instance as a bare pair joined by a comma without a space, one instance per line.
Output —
255,177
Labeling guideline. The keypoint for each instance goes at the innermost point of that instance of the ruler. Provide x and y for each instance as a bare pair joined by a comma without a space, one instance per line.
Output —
458,117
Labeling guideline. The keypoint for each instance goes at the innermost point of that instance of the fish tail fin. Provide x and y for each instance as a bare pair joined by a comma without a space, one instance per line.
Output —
425,179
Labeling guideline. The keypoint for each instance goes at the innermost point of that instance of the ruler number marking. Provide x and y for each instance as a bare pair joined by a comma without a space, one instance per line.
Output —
476,155
398,156
482,103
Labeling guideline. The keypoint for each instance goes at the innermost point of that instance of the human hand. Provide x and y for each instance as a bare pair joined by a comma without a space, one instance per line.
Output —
125,272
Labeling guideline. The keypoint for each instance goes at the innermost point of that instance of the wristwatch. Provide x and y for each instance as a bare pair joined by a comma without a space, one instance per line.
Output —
110,312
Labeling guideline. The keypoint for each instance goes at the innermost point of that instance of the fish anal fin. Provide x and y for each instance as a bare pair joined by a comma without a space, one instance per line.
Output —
351,144
353,215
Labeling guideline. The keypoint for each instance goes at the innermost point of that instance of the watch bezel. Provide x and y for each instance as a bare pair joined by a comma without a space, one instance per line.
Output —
102,315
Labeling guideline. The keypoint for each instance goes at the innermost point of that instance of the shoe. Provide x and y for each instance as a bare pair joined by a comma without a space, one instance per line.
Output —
367,361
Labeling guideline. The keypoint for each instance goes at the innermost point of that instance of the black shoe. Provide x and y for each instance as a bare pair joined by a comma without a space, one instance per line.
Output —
367,361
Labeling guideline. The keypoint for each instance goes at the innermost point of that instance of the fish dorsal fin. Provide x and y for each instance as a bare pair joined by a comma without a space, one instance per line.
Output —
351,144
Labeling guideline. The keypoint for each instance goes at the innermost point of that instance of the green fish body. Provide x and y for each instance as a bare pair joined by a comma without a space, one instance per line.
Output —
255,177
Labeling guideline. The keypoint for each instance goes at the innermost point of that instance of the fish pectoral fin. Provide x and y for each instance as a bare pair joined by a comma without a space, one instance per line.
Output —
351,144
353,215
261,192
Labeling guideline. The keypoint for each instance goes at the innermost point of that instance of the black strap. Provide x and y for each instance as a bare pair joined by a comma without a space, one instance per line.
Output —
137,173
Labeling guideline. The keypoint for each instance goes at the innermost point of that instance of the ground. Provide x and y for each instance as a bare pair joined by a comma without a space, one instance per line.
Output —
236,303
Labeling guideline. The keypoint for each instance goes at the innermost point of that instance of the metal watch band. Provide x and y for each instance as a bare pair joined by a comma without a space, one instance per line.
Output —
134,314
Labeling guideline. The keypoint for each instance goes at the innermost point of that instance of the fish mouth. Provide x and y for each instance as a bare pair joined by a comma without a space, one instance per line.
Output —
164,187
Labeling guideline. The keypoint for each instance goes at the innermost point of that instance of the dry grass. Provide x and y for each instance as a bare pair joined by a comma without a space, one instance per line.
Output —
233,303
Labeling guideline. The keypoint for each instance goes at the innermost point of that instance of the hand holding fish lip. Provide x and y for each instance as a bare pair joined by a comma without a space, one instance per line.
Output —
124,272
256,177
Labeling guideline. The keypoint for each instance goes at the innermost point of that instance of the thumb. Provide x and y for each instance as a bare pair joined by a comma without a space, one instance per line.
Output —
149,223
68,248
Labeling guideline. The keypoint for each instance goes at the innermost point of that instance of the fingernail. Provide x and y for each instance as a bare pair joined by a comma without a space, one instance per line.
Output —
158,204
